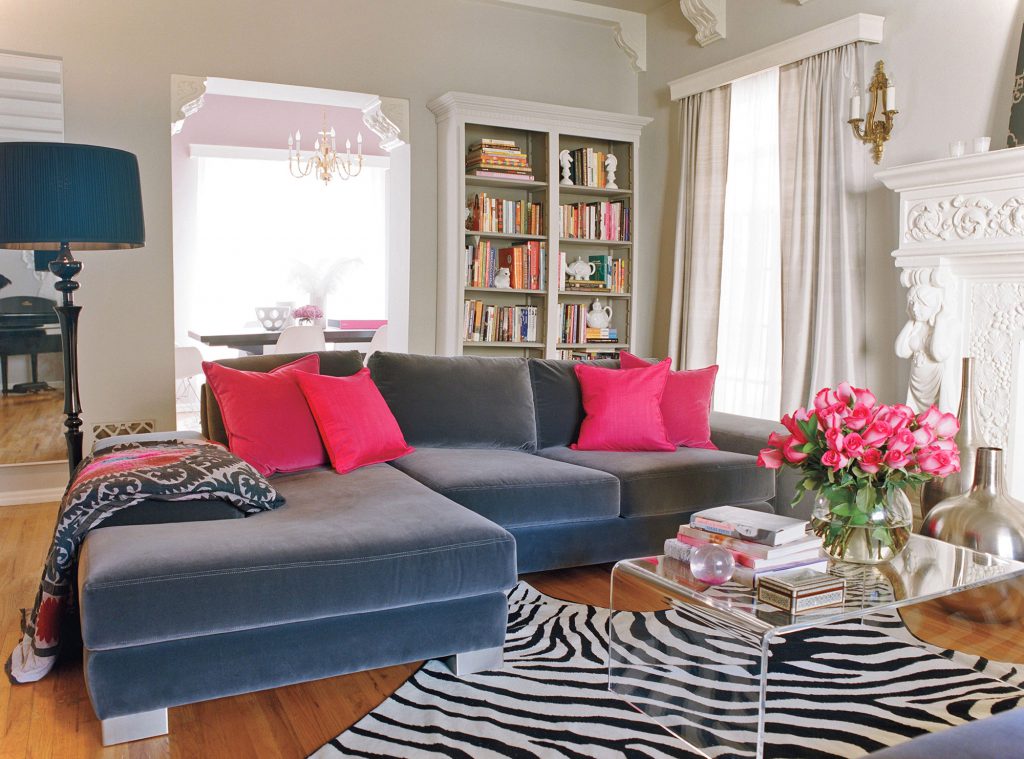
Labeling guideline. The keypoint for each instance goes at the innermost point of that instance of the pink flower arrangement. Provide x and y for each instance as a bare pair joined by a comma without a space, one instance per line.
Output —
307,314
854,451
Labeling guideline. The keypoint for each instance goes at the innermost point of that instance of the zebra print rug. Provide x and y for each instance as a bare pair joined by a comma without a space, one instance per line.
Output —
552,699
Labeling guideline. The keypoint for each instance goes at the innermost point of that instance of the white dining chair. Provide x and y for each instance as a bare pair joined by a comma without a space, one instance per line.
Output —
378,342
299,339
188,362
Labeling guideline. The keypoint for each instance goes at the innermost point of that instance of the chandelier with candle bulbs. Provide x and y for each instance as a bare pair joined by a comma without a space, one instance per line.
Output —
326,160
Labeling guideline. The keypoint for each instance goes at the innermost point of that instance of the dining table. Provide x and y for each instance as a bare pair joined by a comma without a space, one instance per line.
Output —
254,340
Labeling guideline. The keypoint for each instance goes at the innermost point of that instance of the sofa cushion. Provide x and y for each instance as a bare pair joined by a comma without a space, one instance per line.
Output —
997,736
152,511
623,409
332,363
368,540
514,488
556,397
458,401
681,480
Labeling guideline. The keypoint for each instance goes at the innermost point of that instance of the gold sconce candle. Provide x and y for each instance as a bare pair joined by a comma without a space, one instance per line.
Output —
877,126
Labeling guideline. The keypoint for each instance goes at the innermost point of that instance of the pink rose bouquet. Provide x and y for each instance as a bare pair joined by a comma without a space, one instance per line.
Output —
858,455
308,314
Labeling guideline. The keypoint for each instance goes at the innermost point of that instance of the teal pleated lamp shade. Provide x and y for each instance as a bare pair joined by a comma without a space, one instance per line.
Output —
56,192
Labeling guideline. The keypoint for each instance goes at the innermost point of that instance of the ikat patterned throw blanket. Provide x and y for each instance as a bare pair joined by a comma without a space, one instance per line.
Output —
105,483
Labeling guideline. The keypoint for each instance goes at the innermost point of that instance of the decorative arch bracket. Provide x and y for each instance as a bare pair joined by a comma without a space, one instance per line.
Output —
707,17
388,118
187,93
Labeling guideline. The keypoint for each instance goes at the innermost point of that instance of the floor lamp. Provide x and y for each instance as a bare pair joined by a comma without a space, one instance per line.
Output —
65,197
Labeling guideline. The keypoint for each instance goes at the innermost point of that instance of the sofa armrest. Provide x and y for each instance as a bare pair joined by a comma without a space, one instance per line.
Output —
744,434
145,437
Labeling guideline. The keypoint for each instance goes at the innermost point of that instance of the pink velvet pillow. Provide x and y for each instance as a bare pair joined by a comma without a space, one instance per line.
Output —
623,409
354,420
266,417
686,404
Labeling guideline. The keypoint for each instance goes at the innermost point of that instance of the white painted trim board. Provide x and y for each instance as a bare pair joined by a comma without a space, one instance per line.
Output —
862,27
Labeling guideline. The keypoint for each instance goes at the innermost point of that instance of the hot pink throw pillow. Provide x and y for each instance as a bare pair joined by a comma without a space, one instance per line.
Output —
686,404
354,420
623,409
266,417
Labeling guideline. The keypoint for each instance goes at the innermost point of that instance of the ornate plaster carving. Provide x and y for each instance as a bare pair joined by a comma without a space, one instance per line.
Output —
929,337
187,94
965,218
389,120
707,17
997,327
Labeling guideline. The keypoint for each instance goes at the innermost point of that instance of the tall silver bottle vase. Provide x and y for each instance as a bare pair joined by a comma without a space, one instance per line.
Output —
968,440
986,518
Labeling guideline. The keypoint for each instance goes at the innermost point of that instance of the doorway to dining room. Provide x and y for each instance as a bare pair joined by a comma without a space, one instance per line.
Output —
260,233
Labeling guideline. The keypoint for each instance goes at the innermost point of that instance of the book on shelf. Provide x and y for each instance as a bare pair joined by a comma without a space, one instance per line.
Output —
743,575
501,215
600,221
525,264
483,323
581,354
498,155
499,174
494,143
587,168
749,525
614,276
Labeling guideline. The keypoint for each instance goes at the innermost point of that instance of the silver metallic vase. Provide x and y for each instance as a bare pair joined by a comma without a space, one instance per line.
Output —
986,518
968,440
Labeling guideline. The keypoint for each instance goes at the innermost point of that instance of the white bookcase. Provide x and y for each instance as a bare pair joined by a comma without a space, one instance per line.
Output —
541,131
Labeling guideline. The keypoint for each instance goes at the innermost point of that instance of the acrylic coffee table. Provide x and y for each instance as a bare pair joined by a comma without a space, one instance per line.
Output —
707,662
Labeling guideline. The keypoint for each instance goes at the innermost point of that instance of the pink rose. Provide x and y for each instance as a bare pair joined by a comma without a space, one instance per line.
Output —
945,444
834,438
877,433
834,460
895,459
864,397
898,417
845,393
770,458
871,460
929,417
938,463
947,426
825,397
791,451
853,444
790,423
924,436
902,442
775,440
858,417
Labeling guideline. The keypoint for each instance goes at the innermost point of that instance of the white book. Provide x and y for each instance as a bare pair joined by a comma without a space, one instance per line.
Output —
746,524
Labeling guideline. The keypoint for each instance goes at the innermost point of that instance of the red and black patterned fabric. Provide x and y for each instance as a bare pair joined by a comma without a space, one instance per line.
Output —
116,479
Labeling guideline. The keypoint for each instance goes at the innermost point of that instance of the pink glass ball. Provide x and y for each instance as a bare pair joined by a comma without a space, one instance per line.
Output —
712,564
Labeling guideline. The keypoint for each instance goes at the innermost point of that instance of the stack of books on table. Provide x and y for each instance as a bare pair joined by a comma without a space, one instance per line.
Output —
760,543
499,159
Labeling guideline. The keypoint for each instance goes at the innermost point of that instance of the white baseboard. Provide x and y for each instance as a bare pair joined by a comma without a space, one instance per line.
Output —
41,495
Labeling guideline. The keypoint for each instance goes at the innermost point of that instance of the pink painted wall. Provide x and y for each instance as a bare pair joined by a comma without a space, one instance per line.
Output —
258,123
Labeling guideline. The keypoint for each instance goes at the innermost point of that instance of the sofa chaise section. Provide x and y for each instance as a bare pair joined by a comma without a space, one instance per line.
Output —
177,613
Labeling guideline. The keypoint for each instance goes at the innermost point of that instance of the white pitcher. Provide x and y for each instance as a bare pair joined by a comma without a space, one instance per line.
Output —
599,317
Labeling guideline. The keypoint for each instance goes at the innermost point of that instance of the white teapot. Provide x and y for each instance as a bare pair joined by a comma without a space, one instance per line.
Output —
599,317
580,269
503,279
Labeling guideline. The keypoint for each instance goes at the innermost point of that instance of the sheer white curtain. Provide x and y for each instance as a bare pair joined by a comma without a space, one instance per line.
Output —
750,312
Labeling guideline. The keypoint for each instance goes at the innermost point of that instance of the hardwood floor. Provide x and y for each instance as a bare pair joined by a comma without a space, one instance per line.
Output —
53,718
32,427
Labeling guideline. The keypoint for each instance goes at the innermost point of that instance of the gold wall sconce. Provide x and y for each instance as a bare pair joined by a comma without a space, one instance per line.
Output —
878,125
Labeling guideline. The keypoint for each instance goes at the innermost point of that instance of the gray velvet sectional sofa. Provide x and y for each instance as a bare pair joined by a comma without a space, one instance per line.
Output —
390,563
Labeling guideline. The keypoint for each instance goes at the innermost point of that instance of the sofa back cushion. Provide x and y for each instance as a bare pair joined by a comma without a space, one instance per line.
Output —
333,363
556,397
458,401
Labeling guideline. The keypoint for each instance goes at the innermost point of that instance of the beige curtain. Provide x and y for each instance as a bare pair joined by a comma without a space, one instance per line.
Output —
822,231
697,256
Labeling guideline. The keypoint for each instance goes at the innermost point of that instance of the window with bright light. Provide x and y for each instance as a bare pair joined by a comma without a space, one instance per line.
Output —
749,336
264,237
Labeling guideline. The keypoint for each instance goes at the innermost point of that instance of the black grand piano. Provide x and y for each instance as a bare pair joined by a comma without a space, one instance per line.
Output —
23,322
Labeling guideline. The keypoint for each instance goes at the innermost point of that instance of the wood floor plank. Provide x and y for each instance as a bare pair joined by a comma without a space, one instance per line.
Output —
53,718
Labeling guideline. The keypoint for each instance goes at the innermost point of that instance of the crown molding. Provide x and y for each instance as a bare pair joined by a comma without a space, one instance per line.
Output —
629,28
538,116
707,17
861,27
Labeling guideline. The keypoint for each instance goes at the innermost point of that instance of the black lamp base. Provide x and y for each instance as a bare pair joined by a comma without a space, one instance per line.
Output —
66,268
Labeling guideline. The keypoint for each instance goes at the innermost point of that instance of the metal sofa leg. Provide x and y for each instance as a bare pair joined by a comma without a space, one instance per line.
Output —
470,662
134,727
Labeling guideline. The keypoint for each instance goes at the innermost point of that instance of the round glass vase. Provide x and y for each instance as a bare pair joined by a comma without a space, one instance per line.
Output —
866,525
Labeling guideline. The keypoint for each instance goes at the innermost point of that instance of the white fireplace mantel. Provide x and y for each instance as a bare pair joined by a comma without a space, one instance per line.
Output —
961,254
